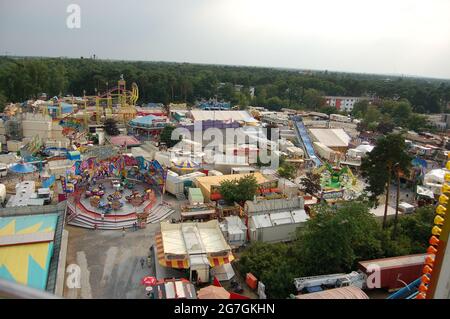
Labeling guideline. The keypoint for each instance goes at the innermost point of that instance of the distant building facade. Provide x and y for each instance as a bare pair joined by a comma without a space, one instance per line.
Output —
343,103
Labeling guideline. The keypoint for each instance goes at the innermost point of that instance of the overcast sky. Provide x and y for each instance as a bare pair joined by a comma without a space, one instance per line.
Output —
375,36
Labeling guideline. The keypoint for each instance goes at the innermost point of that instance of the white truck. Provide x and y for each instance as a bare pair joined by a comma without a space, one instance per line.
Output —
355,278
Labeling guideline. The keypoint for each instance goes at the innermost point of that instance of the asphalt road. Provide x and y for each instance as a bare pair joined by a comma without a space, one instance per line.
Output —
109,262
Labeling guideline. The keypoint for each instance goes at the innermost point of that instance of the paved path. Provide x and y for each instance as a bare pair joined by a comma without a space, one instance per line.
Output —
109,262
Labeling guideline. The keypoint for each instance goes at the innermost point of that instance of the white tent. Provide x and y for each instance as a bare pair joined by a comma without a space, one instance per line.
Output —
365,148
423,191
355,152
223,272
435,176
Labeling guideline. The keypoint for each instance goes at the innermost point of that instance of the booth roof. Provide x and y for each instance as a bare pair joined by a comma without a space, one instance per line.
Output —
208,181
124,139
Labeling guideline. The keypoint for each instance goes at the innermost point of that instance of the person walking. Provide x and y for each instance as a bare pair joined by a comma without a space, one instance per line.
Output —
123,231
142,262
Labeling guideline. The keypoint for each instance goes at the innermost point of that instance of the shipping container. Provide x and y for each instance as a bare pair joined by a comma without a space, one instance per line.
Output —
174,185
395,272
195,196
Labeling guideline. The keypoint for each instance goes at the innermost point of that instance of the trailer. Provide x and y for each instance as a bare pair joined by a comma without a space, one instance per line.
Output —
2,194
3,170
340,118
395,272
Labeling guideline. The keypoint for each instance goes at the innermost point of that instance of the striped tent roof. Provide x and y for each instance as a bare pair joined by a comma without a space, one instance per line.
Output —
163,261
185,164
184,263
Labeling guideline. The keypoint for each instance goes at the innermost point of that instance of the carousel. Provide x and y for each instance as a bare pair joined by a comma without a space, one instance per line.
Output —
111,194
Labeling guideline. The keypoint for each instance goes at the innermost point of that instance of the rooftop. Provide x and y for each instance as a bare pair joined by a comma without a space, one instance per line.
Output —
349,292
330,137
193,238
208,181
122,140
280,218
395,261
200,115
26,248
147,120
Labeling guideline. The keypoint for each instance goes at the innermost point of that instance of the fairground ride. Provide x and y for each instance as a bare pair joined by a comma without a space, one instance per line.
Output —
336,174
435,280
118,103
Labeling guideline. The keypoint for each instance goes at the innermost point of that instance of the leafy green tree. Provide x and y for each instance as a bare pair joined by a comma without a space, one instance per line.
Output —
313,99
413,230
328,110
2,102
372,115
417,122
287,170
360,108
273,264
243,100
261,96
379,166
275,103
239,190
347,234
385,125
166,136
401,113
227,92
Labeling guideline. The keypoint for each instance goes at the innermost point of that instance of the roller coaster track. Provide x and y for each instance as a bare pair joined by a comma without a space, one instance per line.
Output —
133,94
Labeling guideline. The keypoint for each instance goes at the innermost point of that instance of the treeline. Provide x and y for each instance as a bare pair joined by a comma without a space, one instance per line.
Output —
24,78
384,115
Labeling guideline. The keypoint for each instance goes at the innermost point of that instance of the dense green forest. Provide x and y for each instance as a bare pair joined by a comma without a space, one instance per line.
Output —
23,78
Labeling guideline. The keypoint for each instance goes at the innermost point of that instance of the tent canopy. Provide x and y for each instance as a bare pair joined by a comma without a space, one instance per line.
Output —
213,292
185,164
435,176
423,191
365,148
224,272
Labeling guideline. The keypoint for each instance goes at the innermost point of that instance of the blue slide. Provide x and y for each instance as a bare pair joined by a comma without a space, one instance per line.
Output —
408,292
303,138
